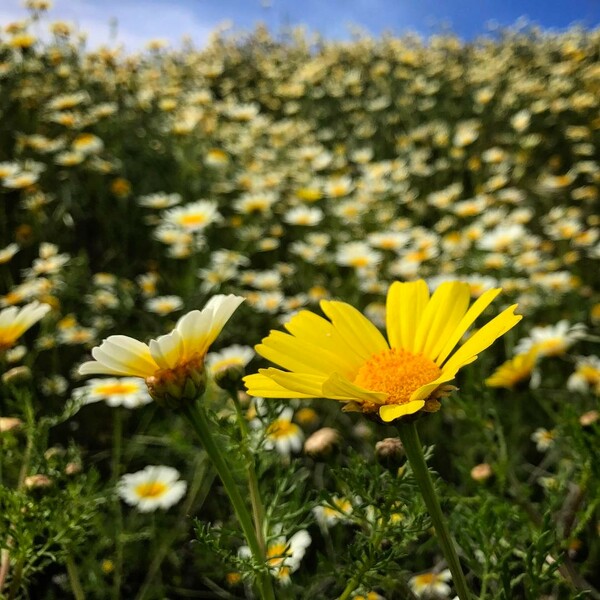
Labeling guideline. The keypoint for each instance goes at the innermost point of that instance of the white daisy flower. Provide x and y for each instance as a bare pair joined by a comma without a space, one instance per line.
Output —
236,355
129,392
195,216
551,340
283,435
153,487
164,305
431,584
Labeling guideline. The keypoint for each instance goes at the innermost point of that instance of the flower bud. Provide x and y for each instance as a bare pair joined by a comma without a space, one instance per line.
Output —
586,419
173,388
481,472
390,451
16,375
9,423
321,442
37,482
230,378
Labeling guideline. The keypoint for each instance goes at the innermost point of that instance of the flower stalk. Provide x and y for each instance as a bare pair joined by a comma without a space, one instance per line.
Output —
199,421
414,451
258,511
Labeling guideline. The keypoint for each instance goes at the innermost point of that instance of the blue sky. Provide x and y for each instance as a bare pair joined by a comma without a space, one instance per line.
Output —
141,20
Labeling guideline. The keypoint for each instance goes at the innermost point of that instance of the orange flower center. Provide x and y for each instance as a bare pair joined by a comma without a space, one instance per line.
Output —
151,489
398,373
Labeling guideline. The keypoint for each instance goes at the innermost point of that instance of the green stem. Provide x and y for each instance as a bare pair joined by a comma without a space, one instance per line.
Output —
115,472
258,511
74,579
414,452
16,581
202,426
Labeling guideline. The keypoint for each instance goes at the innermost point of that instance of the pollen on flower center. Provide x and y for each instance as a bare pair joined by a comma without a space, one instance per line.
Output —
152,489
398,373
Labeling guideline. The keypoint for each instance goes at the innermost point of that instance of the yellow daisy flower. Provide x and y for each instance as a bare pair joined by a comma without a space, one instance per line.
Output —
514,371
173,364
348,359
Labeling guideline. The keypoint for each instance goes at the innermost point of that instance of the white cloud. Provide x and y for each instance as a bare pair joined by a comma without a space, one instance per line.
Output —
128,22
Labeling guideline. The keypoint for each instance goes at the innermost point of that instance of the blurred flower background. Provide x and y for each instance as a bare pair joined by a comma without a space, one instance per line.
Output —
288,162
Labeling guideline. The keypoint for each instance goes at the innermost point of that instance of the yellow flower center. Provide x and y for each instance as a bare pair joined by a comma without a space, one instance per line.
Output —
117,388
359,261
551,346
426,579
191,220
276,554
280,429
398,373
589,373
151,489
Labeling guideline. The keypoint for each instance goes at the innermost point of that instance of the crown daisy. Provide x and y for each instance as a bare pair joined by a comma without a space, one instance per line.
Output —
173,364
346,358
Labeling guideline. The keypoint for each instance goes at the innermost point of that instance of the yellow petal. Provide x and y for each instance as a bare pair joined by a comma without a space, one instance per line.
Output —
448,320
426,390
389,412
262,384
340,388
404,307
441,316
316,330
355,329
483,338
468,319
295,354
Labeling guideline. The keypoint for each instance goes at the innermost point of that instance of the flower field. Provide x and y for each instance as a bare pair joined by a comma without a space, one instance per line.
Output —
235,280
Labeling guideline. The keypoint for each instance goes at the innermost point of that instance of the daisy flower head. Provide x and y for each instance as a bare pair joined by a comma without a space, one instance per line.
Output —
129,392
338,510
283,435
228,366
153,487
586,375
164,305
284,556
195,216
346,358
544,439
514,371
173,364
551,340
233,356
357,255
431,584
14,322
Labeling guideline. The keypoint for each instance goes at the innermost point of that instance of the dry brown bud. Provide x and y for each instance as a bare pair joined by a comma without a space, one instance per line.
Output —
9,423
321,442
587,418
481,472
37,481
16,375
389,450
